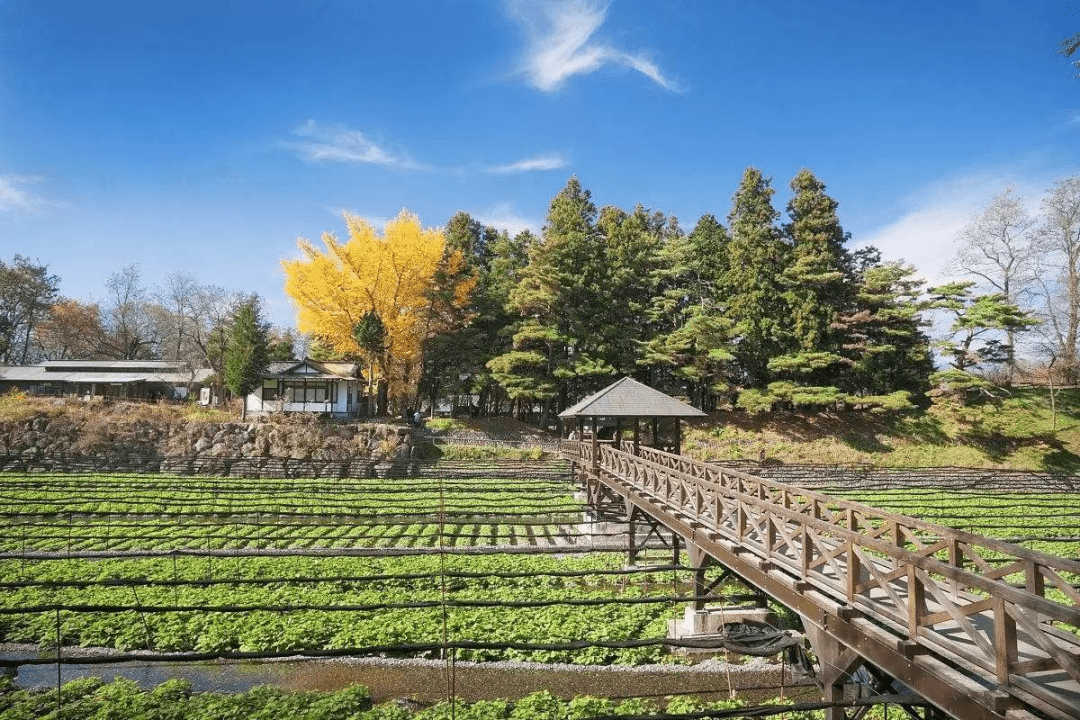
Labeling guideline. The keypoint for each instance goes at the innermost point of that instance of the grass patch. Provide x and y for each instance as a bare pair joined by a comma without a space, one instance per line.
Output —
1018,431
486,452
444,424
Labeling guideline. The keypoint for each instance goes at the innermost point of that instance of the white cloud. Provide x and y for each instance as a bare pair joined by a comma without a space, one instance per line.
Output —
548,161
925,234
504,217
559,36
16,196
337,143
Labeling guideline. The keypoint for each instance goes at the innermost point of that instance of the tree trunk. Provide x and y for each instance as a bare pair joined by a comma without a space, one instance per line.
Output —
383,388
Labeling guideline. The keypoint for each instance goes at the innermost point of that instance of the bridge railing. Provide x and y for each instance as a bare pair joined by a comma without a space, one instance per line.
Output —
975,601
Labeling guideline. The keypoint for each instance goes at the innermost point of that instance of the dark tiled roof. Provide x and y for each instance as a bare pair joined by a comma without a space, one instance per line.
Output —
629,399
330,370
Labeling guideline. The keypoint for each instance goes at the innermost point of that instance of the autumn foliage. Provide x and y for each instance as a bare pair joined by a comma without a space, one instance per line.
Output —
405,275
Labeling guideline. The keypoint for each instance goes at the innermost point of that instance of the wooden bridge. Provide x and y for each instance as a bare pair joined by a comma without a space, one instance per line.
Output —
963,621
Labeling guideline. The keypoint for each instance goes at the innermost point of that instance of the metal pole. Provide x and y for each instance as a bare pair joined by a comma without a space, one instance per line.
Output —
59,700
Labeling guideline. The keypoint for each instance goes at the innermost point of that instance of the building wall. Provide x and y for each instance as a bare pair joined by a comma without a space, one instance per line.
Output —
336,404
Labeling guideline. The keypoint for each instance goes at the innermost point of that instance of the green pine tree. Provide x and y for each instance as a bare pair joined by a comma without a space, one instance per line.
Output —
817,288
692,334
634,245
974,339
560,300
247,355
885,342
753,279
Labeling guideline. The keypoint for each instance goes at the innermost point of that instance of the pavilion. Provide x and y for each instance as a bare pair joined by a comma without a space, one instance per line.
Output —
629,400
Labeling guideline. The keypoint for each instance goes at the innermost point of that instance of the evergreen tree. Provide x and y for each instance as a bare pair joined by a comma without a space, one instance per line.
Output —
817,287
456,362
370,337
449,355
560,301
692,333
885,343
752,284
817,278
634,244
973,339
247,354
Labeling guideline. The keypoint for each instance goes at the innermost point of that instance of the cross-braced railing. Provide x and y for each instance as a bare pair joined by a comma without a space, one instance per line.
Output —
1004,613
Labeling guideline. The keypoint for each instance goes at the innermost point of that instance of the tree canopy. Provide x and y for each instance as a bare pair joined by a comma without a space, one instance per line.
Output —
393,274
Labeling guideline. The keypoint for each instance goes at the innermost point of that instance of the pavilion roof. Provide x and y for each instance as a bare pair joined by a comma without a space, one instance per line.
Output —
627,398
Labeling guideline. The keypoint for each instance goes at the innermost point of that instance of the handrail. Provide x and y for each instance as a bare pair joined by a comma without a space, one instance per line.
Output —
1043,605
885,564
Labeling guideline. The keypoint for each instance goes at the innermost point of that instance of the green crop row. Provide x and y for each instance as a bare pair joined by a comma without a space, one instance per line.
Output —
298,630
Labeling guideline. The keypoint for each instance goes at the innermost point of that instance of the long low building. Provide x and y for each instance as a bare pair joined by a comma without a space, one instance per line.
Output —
143,379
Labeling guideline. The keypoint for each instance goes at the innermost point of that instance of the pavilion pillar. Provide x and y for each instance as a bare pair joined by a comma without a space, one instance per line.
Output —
618,433
595,450
678,436
637,436
656,434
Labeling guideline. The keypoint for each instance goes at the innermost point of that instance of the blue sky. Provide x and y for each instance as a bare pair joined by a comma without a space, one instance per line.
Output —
207,137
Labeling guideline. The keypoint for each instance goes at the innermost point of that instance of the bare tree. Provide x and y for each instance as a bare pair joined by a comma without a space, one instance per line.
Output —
212,310
128,322
176,298
996,246
1057,272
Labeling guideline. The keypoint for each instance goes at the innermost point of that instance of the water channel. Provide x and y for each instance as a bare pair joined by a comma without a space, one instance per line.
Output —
428,681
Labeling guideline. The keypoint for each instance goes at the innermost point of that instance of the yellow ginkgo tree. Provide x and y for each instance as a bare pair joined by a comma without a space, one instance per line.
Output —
404,280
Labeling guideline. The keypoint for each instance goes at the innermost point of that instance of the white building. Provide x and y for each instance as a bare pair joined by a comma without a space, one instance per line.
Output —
142,379
328,388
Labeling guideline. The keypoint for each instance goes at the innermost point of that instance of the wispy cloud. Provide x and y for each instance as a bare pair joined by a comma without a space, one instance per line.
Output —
925,235
16,195
547,161
376,221
504,217
337,143
560,44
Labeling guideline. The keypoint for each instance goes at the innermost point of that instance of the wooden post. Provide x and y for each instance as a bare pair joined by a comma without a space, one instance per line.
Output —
656,433
618,433
916,603
1004,641
678,436
854,568
595,450
836,664
1033,579
637,436
956,559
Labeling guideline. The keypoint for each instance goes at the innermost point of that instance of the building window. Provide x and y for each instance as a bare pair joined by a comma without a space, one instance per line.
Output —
270,390
312,392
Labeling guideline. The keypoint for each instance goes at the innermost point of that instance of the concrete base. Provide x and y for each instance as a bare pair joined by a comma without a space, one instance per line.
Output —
601,532
702,624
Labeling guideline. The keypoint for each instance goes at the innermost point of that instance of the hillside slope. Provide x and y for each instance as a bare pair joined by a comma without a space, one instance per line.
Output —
1019,432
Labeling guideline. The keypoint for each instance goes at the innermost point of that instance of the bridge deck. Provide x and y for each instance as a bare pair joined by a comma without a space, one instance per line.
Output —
965,621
